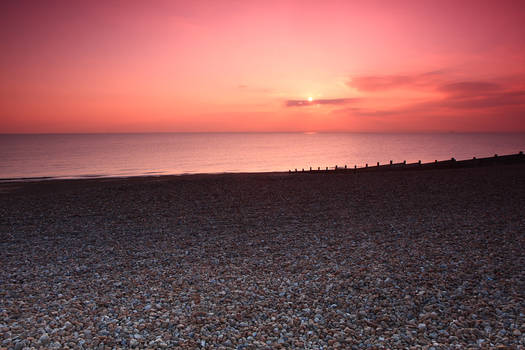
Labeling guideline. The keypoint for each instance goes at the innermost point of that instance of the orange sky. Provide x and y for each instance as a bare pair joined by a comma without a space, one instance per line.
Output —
144,66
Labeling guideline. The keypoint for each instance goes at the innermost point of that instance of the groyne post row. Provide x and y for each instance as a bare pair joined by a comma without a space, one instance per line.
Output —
449,163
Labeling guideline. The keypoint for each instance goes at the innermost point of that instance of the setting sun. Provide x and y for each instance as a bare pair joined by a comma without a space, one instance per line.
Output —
310,99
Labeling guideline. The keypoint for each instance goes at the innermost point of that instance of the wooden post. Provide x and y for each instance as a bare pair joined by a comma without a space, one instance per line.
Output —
404,162
326,168
419,162
289,171
474,158
366,166
310,168
303,170
453,159
345,166
436,161
377,163
295,169
391,162
318,168
496,155
335,167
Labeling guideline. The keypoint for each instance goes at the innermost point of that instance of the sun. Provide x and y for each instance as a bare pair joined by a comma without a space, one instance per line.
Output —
310,99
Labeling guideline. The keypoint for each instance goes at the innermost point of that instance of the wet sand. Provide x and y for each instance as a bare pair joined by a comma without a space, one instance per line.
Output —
246,261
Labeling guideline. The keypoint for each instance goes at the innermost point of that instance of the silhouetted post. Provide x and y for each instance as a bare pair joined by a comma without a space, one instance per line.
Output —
310,168
521,153
496,155
404,162
355,167
366,166
473,158
326,168
345,166
453,159
318,168
335,167
295,169
377,163
391,162
419,162
436,161
289,171
303,170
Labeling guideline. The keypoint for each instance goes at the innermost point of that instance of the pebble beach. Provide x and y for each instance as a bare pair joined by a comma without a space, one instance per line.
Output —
428,259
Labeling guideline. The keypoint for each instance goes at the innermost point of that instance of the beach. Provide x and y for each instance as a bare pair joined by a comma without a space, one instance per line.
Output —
429,259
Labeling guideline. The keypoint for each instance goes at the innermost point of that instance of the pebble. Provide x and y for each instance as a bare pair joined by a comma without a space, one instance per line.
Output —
265,261
44,339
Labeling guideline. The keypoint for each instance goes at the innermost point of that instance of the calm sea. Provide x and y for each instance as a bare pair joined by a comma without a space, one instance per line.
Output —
102,155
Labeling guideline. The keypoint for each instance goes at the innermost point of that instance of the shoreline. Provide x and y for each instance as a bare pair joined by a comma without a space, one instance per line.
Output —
133,177
436,165
384,259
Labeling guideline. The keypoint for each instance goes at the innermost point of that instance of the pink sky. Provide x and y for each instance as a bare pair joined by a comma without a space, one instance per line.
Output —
144,66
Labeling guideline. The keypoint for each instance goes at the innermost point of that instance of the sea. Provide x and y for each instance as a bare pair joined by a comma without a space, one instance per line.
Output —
71,156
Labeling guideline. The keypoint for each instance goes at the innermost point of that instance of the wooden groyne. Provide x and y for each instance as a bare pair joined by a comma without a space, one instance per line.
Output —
442,164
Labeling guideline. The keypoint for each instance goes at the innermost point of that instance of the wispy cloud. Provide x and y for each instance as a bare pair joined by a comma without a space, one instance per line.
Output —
327,101
479,94
370,83
469,88
492,100
444,96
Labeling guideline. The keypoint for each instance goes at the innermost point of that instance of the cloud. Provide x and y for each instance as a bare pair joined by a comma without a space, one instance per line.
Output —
371,83
444,97
503,99
479,94
329,101
438,100
470,88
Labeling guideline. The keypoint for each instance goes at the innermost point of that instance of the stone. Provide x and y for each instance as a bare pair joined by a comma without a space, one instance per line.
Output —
44,339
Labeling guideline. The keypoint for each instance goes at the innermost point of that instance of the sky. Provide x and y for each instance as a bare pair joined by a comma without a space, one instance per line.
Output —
221,66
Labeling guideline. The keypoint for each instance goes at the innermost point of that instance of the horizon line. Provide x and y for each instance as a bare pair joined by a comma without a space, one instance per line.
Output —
309,132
